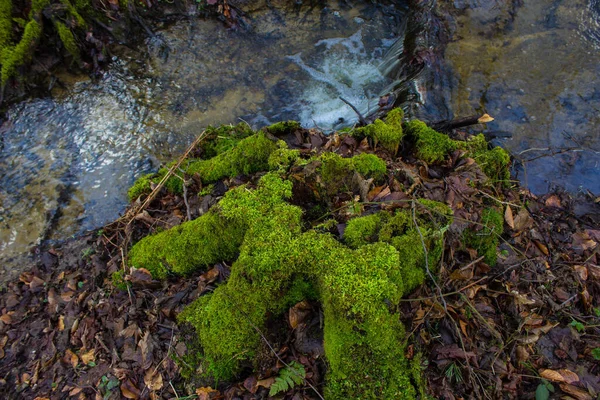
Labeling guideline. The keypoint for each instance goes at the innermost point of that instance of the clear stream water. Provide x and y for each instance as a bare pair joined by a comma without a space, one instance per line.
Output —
66,162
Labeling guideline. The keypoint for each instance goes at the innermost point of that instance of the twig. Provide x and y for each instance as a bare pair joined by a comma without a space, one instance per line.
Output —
360,116
185,200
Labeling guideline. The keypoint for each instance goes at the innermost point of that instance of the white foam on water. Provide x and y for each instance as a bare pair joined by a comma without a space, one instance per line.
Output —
344,69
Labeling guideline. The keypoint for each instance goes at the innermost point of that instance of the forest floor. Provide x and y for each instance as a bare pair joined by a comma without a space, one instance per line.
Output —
527,327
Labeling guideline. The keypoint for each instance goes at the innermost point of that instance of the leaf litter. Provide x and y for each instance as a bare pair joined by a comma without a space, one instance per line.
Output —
526,327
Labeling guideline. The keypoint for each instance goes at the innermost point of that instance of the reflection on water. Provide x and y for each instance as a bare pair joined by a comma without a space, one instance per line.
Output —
534,68
67,162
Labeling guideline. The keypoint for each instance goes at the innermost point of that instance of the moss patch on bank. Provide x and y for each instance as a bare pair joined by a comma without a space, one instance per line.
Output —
278,265
279,259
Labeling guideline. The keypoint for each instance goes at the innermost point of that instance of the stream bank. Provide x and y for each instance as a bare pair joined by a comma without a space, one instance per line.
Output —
497,316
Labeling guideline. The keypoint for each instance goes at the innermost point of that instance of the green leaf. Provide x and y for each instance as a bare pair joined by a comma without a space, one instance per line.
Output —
596,353
288,378
542,392
577,325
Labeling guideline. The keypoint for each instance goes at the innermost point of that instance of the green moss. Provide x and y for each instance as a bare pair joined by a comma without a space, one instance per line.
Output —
430,146
389,133
369,165
283,127
282,158
337,172
141,186
486,240
14,57
5,24
494,162
68,40
248,156
363,230
189,246
118,280
279,265
224,138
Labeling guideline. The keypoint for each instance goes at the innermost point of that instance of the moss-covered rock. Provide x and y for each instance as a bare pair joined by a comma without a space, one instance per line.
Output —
283,127
388,134
68,40
238,157
336,172
279,264
189,246
430,146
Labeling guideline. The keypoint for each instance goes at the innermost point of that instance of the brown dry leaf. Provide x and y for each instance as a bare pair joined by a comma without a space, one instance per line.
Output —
462,274
88,356
561,375
140,276
75,391
553,201
210,276
529,339
508,217
472,291
298,313
521,299
42,398
61,323
53,300
147,347
542,247
153,379
581,240
544,329
382,194
206,393
522,220
6,318
463,327
576,392
582,271
67,295
266,383
522,354
129,390
71,358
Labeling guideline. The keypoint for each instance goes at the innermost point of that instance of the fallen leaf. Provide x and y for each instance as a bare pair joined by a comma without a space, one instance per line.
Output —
206,393
582,271
129,390
553,201
561,375
266,383
71,358
147,347
153,379
542,247
298,313
508,217
523,220
576,392
87,357
61,323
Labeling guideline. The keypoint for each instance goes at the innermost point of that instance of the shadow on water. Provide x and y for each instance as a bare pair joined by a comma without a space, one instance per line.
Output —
67,161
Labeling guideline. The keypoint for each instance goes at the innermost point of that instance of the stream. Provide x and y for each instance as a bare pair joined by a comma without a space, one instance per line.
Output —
66,161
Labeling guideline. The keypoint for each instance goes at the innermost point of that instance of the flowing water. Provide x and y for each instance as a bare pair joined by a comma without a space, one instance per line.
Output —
67,161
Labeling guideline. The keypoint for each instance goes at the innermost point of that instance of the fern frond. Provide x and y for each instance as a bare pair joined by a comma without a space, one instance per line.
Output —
288,378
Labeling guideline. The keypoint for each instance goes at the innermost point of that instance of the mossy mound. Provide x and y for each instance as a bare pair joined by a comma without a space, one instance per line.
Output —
279,264
282,255
22,25
388,134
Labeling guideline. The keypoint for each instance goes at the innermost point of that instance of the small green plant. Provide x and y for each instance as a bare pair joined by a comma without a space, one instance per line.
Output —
87,253
288,378
107,385
453,373
597,311
543,390
596,353
577,325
